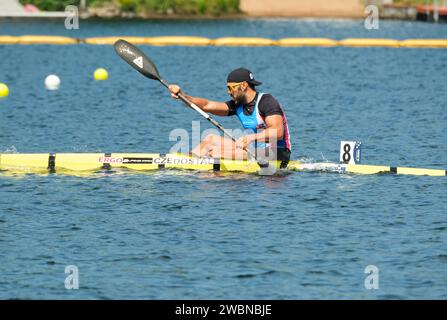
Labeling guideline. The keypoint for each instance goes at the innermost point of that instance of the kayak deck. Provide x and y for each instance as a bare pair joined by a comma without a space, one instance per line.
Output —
88,162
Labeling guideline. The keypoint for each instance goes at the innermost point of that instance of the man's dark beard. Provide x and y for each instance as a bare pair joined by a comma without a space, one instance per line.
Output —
239,100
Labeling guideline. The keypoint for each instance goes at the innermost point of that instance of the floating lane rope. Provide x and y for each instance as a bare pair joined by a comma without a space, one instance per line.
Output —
306,42
229,41
238,42
46,40
178,41
369,43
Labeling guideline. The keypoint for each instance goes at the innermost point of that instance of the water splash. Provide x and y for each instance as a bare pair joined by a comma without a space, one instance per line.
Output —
324,158
306,159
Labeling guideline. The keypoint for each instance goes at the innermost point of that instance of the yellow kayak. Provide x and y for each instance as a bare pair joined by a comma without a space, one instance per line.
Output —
76,162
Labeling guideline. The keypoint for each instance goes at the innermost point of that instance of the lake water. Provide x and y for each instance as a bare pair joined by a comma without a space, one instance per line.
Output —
187,235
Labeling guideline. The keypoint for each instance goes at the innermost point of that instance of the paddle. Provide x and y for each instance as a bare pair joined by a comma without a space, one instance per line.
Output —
140,62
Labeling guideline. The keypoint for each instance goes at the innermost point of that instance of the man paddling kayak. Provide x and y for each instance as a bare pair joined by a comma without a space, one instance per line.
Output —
258,112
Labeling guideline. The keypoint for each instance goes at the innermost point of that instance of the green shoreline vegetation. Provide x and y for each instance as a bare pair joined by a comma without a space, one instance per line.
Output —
146,7
169,8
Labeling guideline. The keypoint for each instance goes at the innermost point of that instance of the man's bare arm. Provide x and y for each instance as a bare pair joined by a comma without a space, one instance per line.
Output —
214,107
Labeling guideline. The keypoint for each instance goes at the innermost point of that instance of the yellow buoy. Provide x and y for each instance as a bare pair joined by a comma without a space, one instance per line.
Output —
101,74
4,90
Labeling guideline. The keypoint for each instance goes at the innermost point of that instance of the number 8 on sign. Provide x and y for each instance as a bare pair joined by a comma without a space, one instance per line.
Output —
350,152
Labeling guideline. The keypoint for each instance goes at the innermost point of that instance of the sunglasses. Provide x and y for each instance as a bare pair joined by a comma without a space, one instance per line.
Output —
231,87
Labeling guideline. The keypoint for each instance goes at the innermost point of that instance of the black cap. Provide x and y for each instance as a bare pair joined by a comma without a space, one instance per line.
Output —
242,74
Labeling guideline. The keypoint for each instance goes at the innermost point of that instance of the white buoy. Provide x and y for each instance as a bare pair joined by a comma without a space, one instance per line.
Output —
52,82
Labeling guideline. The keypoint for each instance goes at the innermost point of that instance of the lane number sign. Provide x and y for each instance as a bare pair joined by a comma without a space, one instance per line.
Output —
350,152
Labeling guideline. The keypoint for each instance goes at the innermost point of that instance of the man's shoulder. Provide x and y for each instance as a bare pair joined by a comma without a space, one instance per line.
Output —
268,100
265,95
231,107
230,103
268,105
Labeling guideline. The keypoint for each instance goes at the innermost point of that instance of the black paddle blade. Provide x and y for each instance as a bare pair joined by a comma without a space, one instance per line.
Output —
137,59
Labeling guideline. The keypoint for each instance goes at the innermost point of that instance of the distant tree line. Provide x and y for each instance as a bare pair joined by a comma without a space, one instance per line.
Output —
51,5
189,7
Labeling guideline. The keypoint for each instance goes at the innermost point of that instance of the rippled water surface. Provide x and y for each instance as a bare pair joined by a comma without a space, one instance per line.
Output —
174,235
